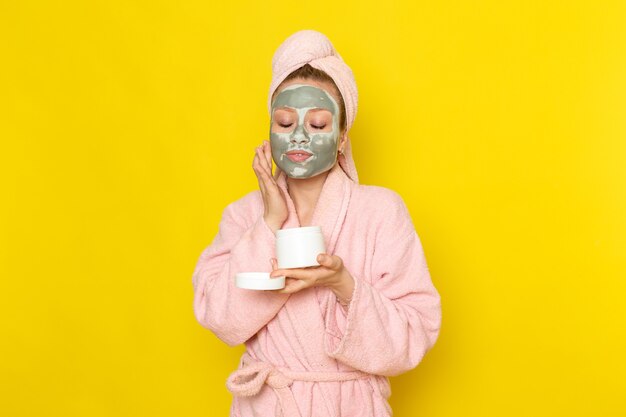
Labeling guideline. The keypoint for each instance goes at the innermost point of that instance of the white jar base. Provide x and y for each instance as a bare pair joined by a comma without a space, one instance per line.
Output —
258,281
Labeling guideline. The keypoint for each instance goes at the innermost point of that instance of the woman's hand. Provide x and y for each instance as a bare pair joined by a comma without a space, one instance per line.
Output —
331,273
276,211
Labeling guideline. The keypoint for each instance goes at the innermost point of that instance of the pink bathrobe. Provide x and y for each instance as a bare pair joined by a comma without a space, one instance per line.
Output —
306,355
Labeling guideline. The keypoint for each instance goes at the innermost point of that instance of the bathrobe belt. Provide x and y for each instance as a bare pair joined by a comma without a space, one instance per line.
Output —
249,380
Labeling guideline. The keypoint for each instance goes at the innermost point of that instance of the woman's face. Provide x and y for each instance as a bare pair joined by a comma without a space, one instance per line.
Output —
304,133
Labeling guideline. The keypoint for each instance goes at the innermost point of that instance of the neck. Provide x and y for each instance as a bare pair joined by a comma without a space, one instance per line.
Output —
305,192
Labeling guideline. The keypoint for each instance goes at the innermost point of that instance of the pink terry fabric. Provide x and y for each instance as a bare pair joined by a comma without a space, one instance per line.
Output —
305,354
314,48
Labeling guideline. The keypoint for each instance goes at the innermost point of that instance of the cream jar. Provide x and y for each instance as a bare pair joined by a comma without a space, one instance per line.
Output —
298,247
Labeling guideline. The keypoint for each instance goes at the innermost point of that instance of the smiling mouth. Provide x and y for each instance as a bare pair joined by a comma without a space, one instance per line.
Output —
298,156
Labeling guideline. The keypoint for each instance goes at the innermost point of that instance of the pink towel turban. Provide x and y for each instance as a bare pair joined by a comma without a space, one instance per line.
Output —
314,48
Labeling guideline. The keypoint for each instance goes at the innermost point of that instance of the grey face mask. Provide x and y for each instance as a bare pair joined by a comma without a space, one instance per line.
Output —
321,145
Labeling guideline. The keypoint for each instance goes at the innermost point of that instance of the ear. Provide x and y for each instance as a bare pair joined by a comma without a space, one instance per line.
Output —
343,140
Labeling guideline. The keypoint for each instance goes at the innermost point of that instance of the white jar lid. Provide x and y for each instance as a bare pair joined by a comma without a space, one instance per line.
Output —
258,281
292,231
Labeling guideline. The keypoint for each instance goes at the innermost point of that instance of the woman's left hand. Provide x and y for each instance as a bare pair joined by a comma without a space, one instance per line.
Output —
330,273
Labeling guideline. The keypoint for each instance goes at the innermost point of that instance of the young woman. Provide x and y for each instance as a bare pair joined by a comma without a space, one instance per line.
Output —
326,343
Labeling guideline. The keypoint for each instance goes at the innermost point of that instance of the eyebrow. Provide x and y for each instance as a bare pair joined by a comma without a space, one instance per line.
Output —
293,110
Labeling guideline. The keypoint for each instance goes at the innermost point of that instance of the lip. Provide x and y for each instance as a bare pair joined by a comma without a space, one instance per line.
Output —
298,156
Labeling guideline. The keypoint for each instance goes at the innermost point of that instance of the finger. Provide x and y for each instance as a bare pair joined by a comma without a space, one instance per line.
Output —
276,173
267,178
288,282
263,157
265,184
298,273
293,287
268,154
256,161
263,162
259,174
274,263
270,165
255,164
333,262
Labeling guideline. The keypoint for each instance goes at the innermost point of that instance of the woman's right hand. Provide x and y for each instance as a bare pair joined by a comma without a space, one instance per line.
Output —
276,211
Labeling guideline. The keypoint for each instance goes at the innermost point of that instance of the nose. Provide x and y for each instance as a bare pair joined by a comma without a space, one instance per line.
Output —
300,135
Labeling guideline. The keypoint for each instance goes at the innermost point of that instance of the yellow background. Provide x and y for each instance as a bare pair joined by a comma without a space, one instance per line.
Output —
126,127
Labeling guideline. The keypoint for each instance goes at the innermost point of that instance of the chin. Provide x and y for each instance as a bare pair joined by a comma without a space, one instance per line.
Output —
304,175
297,176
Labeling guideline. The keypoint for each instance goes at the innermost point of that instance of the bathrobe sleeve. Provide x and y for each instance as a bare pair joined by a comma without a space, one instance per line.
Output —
231,313
391,323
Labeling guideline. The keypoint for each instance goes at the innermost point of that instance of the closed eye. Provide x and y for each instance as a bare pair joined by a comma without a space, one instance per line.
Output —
282,125
318,127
